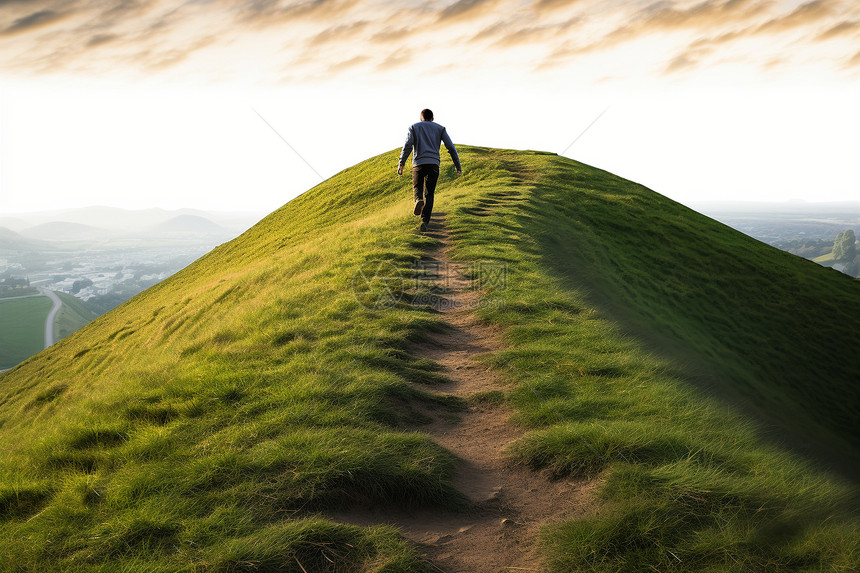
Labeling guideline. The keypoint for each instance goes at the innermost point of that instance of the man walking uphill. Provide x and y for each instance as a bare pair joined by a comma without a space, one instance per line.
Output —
426,136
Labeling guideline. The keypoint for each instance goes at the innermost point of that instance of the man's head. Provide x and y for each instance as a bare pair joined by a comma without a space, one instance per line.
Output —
426,115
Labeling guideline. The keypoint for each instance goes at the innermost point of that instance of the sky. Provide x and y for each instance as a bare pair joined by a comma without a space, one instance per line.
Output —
240,105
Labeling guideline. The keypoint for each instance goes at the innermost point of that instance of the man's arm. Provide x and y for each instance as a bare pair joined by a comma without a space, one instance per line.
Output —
449,145
407,149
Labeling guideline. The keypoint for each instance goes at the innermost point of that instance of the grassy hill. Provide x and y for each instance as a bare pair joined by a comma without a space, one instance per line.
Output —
72,316
773,329
204,424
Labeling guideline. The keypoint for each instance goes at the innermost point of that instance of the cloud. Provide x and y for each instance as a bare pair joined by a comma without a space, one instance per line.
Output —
338,33
548,5
126,8
31,21
709,14
465,9
774,64
806,16
163,60
718,24
391,34
347,64
803,15
100,39
662,17
271,12
395,60
677,37
840,29
490,31
526,36
524,29
681,63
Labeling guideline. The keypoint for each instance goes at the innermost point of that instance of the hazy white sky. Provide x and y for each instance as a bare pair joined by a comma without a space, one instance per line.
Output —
150,103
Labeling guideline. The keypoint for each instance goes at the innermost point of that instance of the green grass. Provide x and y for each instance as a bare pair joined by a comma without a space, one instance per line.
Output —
209,423
205,423
769,330
72,316
22,328
687,483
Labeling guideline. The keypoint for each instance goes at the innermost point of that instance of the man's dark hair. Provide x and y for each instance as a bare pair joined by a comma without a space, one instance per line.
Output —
426,115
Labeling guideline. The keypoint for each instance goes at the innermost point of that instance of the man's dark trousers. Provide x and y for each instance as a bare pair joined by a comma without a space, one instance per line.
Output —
424,178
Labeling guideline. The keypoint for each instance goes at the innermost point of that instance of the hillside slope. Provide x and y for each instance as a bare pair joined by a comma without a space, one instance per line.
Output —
772,331
204,424
72,316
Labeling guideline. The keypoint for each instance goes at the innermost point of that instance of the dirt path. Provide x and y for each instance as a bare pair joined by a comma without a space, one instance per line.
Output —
508,503
52,316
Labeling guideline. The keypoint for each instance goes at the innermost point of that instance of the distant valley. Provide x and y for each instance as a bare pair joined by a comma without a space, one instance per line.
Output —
804,229
101,256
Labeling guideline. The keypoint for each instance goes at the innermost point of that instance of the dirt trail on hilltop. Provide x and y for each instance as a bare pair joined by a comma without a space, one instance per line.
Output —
508,503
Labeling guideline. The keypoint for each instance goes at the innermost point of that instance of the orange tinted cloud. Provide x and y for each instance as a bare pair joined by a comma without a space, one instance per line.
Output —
841,29
466,9
348,64
32,21
802,16
391,34
324,36
338,33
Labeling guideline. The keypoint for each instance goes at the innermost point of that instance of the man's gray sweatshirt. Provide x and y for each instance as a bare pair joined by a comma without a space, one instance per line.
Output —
425,137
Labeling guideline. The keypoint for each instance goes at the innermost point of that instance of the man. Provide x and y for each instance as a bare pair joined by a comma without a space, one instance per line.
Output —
425,136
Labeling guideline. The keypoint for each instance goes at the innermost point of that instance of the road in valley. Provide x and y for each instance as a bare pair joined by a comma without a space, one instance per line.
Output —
49,322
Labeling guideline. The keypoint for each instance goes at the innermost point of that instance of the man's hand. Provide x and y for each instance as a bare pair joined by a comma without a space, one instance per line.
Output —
400,170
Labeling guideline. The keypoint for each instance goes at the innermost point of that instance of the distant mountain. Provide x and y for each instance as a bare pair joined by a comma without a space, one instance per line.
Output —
10,241
65,231
126,220
14,223
190,224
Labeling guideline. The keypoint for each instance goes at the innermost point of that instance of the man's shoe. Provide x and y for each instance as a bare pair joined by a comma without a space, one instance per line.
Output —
419,206
423,227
